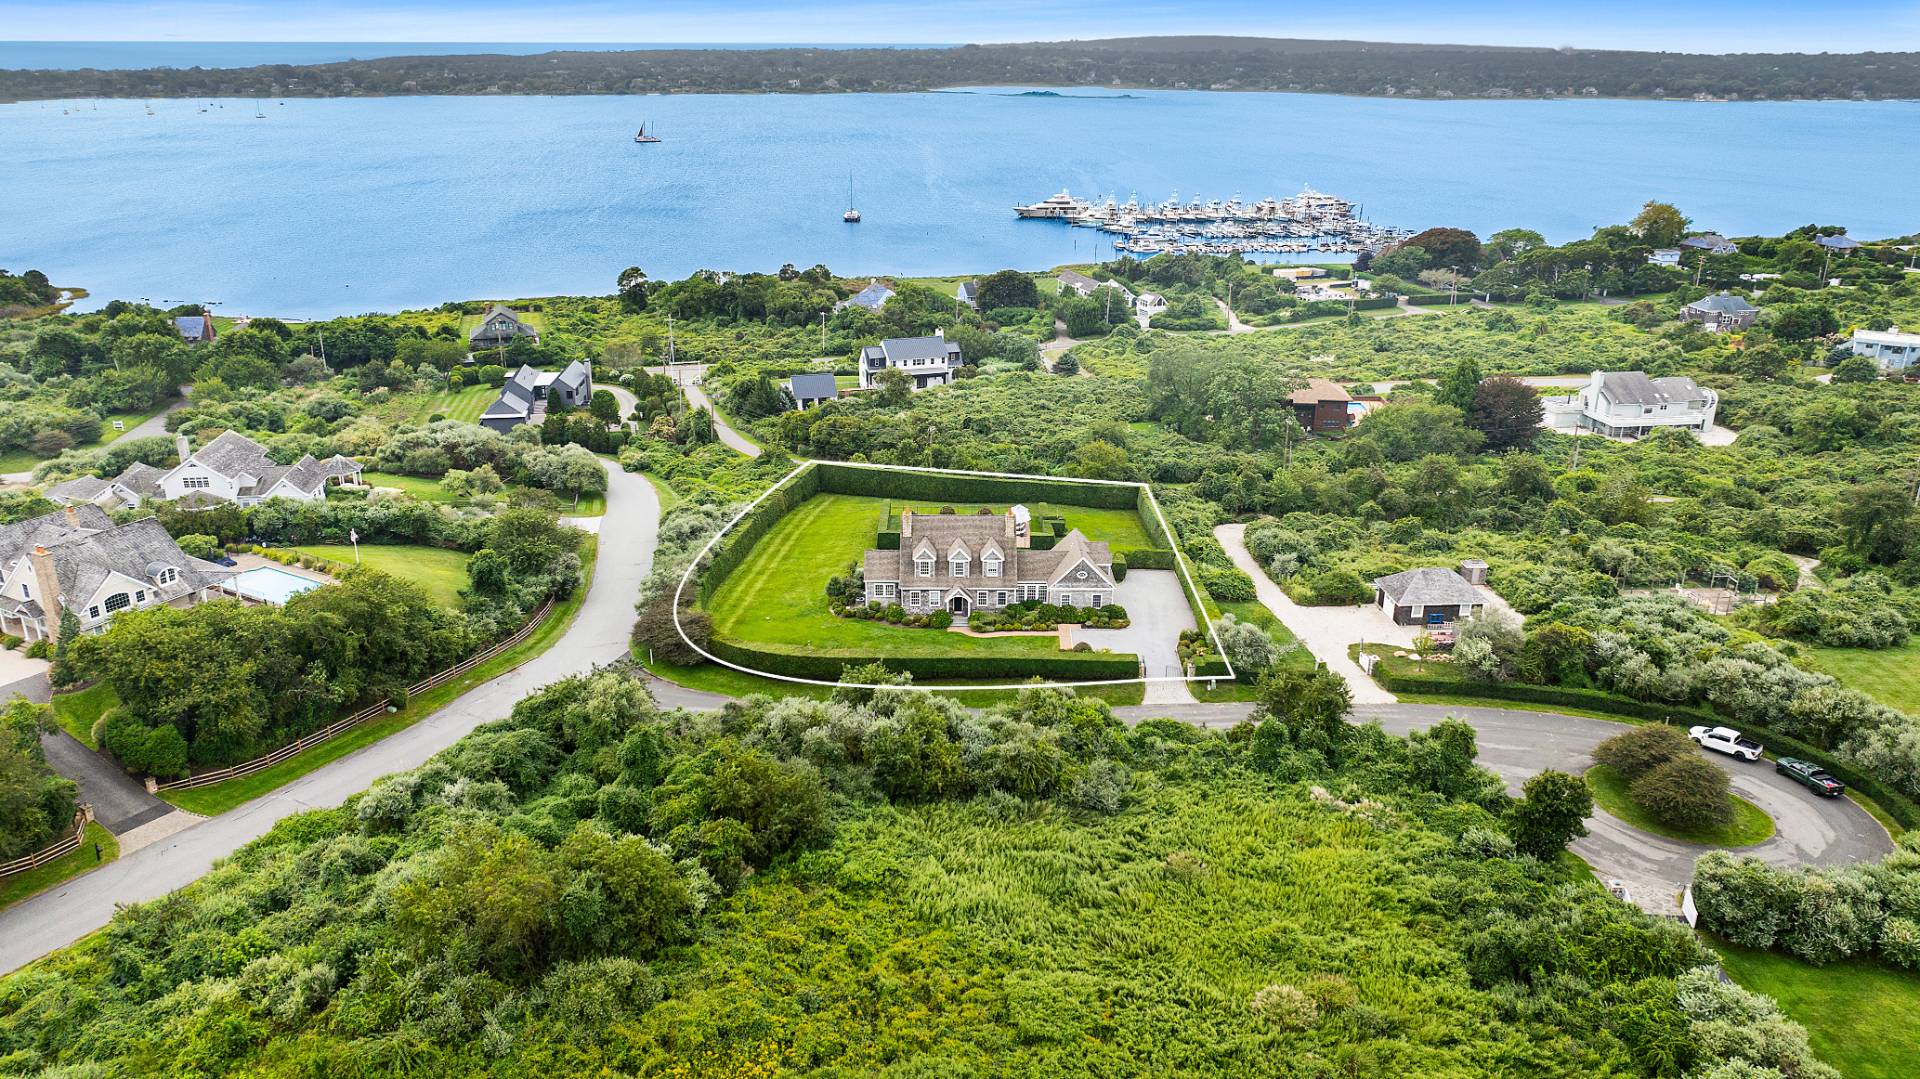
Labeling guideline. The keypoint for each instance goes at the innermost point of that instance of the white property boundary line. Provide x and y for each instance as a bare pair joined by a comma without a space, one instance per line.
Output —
1179,558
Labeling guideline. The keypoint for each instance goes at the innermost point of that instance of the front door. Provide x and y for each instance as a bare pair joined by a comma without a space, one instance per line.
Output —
957,605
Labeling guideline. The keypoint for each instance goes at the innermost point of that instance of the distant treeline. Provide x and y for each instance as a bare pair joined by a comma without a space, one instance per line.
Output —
1218,63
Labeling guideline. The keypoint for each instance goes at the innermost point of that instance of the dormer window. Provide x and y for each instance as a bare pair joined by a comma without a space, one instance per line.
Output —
166,576
958,565
991,563
923,567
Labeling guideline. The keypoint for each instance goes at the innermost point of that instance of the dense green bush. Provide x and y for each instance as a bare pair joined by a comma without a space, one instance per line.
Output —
1686,792
1061,667
1639,750
36,803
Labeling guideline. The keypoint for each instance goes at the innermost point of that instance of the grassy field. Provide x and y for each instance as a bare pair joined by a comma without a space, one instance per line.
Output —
220,797
1863,1017
1888,675
1750,823
466,403
22,885
777,596
425,488
77,712
441,572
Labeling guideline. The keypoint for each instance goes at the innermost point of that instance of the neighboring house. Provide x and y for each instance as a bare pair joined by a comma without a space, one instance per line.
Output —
526,393
1082,285
1150,303
1323,405
498,327
873,297
1427,597
1711,242
961,563
969,294
1665,256
1891,349
1628,404
79,559
130,488
1298,273
194,329
1839,243
235,468
809,390
931,361
1723,312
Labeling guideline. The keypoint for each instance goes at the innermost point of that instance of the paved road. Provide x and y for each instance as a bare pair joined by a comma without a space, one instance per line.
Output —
1517,745
690,376
120,802
1325,631
57,918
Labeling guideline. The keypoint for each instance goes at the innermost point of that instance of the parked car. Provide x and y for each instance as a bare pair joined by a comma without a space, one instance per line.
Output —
1726,740
1810,776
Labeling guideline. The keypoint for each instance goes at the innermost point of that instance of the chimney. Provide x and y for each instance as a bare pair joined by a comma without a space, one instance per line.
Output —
906,522
46,584
73,515
183,447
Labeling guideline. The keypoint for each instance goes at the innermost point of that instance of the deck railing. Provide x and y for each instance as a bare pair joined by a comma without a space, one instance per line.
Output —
335,729
58,849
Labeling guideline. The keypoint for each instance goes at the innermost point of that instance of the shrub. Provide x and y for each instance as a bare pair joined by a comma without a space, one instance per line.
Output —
40,649
1552,813
1285,1006
1642,749
1226,583
1900,942
1335,587
1687,792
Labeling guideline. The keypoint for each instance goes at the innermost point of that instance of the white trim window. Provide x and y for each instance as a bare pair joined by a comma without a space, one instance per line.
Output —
992,565
93,611
923,567
1097,597
884,590
999,599
167,575
957,565
117,602
980,597
195,483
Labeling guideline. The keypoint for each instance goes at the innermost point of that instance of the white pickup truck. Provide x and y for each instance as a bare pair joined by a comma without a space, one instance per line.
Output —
1726,740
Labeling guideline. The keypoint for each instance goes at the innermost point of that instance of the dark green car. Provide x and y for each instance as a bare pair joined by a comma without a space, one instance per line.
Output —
1809,775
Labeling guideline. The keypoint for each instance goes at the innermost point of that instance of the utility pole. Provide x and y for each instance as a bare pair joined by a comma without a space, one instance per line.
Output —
823,333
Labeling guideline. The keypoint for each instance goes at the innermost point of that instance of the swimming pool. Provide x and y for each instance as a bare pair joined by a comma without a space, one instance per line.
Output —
271,585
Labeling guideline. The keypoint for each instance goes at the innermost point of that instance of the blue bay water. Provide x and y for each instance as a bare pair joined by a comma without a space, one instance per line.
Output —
346,205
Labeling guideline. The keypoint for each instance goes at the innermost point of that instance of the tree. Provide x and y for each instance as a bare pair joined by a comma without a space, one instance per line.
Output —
1512,243
1874,520
1448,248
1506,412
1309,708
895,385
1687,792
1660,224
1855,369
1405,260
605,407
1551,814
633,286
1457,386
758,398
1801,321
1099,460
1068,364
1640,750
1007,288
1410,431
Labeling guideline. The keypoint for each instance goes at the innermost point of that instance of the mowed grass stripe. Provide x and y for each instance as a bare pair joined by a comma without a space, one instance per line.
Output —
780,554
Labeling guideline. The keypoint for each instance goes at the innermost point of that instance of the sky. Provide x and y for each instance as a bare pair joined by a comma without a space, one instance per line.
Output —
1672,25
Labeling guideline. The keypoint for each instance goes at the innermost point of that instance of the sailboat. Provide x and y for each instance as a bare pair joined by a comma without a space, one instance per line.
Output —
642,136
259,110
852,216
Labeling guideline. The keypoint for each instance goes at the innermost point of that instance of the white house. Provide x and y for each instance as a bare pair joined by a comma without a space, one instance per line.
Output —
1665,256
1628,404
1891,349
235,468
931,361
79,559
1082,285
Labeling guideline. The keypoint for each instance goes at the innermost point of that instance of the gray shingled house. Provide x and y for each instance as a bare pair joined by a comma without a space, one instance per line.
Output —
1723,312
1427,597
78,558
235,468
961,563
809,390
527,392
498,328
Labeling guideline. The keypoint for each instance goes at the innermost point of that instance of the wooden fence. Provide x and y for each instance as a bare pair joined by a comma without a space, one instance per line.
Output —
60,849
364,714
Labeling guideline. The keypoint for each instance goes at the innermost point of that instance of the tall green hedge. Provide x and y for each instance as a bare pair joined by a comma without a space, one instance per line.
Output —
1897,805
1147,558
845,479
1064,667
738,542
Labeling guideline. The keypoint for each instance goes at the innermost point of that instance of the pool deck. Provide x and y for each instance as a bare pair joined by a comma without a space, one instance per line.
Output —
244,562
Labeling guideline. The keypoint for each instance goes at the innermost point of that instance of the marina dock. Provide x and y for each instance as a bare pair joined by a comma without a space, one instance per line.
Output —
1310,222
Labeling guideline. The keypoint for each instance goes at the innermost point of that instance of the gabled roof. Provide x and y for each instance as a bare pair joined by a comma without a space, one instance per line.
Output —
1317,390
1635,388
20,538
1428,587
902,349
873,297
85,560
813,387
1706,240
1838,243
517,327
1722,303
141,478
79,489
233,454
193,327
969,291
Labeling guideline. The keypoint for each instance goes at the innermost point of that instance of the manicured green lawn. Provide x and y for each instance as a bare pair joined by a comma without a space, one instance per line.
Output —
778,595
21,885
1863,1017
441,572
465,403
1750,823
23,460
1888,675
220,797
425,488
78,711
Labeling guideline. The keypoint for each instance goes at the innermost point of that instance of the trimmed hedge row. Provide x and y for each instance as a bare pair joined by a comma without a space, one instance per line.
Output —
936,487
740,540
1065,667
1146,558
1897,805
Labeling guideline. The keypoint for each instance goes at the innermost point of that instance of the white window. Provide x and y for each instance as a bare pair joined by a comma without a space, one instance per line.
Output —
999,599
196,483
992,564
167,575
117,601
980,598
923,567
958,566
884,591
